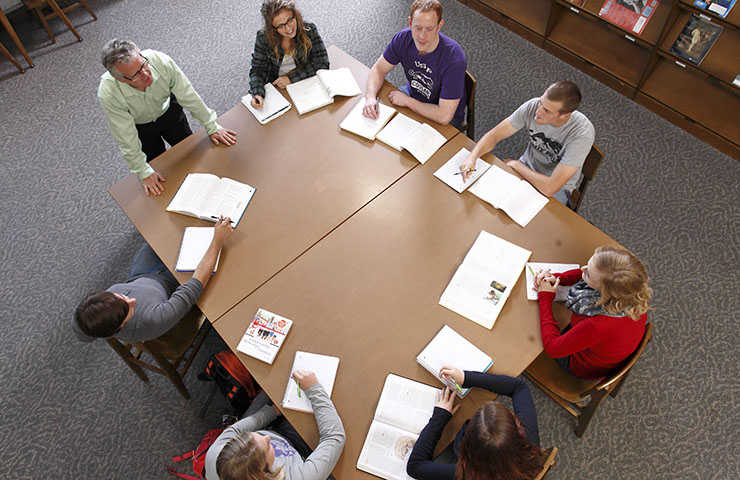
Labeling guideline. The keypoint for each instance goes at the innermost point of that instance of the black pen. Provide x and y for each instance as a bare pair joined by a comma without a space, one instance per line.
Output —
377,104
221,218
471,170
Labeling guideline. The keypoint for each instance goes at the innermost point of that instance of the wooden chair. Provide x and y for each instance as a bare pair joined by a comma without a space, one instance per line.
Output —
9,28
549,462
37,7
590,166
11,58
570,392
173,352
468,125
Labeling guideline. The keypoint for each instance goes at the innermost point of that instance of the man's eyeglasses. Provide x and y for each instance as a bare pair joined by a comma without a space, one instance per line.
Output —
283,25
138,72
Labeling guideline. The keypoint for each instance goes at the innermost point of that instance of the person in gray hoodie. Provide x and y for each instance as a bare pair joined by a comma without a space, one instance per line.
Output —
251,449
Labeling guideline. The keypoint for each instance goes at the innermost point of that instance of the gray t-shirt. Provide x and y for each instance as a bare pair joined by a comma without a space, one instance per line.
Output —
156,311
317,466
549,146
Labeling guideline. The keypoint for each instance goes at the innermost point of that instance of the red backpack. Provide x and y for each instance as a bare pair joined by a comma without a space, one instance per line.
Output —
198,455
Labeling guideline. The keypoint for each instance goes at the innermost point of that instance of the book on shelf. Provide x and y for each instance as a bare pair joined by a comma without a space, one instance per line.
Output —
404,409
718,7
534,267
325,368
507,192
363,126
450,174
206,196
319,90
195,243
273,105
696,39
482,283
264,336
419,139
631,15
452,349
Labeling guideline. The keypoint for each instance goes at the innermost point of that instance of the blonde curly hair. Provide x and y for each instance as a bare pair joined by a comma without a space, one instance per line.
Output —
624,282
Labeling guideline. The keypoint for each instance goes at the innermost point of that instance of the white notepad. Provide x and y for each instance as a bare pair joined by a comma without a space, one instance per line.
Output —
195,243
554,268
325,368
450,171
273,105
363,126
452,349
520,200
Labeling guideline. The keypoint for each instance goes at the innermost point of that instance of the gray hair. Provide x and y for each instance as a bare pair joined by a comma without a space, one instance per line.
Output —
118,51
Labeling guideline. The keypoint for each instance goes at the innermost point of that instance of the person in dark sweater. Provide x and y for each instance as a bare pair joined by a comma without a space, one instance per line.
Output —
493,444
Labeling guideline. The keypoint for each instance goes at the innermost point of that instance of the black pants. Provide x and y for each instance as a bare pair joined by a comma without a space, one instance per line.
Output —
172,126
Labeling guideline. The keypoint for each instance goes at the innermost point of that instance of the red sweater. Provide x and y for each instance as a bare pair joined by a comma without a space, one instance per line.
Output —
596,345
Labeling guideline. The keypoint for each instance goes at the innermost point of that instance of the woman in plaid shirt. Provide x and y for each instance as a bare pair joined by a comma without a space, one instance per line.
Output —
286,50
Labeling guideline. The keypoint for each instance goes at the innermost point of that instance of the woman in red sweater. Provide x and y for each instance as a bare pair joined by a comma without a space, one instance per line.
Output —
609,300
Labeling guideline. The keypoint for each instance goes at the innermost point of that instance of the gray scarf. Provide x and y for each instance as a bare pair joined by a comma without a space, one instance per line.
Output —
582,299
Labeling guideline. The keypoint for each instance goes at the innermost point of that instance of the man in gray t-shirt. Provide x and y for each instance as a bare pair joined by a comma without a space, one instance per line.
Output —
560,137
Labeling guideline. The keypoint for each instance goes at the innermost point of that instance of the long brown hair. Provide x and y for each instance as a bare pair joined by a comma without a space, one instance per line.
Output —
242,458
494,447
624,282
301,42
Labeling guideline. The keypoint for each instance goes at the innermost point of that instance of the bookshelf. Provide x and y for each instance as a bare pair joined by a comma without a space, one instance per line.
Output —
700,99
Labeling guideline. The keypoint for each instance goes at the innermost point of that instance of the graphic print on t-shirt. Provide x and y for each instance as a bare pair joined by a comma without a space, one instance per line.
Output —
420,79
549,148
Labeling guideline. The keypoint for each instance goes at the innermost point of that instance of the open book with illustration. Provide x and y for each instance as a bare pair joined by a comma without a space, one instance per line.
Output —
484,280
451,175
419,139
205,196
450,348
534,267
319,90
264,336
325,368
507,192
403,411
363,126
273,105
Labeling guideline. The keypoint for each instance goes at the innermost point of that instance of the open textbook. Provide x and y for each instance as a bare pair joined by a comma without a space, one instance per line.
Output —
404,409
273,105
520,200
205,196
264,336
534,267
195,243
451,175
325,368
363,126
320,90
450,348
419,139
484,280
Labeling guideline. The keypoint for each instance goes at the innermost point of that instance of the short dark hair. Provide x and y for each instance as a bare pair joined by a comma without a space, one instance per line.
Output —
565,92
427,6
101,315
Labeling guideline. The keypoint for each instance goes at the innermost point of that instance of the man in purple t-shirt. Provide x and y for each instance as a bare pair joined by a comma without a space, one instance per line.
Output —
434,65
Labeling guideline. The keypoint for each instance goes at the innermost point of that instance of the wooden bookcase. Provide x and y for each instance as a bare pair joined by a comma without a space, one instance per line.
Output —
700,99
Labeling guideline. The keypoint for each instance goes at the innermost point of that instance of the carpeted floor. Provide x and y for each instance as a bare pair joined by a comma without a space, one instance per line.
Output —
72,410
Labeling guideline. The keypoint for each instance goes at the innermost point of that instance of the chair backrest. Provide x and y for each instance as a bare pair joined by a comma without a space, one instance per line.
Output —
590,167
617,376
470,85
549,462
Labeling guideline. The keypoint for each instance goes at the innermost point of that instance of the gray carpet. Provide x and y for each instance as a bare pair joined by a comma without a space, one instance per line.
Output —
72,410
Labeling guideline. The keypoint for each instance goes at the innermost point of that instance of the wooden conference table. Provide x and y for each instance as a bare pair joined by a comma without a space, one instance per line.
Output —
310,177
355,243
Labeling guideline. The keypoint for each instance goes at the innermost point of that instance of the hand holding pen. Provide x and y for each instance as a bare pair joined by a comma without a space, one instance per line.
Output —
453,375
304,379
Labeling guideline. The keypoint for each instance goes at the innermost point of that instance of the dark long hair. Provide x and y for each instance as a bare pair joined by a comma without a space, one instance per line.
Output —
494,447
301,42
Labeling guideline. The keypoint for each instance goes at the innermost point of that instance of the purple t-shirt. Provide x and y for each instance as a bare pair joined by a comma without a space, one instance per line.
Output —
439,74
